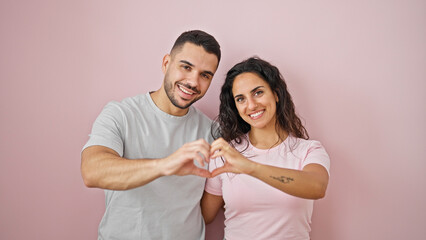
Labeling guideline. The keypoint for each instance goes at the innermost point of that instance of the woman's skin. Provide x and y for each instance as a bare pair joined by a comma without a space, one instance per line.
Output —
256,104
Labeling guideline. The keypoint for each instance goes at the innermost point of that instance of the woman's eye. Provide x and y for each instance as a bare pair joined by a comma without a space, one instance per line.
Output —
257,93
239,100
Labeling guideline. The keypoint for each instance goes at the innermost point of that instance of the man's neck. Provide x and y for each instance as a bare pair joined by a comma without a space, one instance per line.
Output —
161,100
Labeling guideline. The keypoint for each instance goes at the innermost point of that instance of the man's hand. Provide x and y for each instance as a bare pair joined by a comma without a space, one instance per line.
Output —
182,163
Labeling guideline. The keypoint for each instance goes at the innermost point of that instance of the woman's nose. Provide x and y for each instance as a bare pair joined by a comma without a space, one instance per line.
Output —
251,104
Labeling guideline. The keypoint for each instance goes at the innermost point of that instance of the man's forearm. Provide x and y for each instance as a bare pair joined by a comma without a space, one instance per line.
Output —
103,168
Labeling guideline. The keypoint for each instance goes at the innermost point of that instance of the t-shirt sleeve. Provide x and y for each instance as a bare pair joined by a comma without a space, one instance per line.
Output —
107,129
214,185
316,154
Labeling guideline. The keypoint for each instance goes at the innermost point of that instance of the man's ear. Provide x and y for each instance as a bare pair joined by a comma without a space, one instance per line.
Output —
166,63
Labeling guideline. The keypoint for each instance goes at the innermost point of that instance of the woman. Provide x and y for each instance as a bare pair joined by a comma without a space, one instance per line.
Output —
273,173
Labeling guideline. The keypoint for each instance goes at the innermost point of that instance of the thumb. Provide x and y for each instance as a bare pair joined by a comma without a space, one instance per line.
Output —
201,172
220,170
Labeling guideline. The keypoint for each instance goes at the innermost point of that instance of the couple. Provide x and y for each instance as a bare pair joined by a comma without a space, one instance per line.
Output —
152,154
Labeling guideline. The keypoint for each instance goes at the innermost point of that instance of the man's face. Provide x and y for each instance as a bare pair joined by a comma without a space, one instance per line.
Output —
188,74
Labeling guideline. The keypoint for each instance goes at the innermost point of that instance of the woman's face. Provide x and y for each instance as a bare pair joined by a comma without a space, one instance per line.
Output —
256,102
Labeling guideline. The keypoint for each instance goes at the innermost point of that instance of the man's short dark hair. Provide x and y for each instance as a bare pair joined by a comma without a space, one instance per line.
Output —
199,38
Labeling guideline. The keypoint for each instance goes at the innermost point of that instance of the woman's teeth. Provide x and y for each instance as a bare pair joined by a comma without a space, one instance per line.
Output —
256,114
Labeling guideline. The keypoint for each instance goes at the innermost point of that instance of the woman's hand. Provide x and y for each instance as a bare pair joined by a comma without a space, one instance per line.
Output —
234,161
310,182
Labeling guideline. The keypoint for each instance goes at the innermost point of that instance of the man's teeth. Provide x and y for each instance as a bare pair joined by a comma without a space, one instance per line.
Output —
256,114
183,90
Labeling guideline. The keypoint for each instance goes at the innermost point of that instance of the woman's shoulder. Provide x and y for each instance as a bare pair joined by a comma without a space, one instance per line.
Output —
303,145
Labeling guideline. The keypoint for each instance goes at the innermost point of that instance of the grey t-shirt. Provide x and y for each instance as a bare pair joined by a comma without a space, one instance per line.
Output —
168,207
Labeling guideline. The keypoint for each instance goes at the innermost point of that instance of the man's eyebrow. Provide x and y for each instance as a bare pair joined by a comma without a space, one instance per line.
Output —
209,73
186,62
190,64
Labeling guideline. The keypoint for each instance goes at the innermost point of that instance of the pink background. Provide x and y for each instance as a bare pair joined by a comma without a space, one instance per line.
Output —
356,69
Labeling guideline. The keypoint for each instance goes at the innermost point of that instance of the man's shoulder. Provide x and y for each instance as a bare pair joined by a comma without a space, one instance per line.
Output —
200,116
129,102
134,100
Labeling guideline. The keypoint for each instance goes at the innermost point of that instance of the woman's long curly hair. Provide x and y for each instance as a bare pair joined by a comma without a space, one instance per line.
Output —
229,124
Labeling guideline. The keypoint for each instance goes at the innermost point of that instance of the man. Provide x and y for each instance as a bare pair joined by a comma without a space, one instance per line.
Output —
149,152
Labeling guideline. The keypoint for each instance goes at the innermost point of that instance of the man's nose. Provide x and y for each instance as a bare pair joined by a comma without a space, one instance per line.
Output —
193,79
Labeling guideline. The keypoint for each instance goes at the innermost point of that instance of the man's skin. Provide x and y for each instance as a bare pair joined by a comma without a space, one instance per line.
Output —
188,73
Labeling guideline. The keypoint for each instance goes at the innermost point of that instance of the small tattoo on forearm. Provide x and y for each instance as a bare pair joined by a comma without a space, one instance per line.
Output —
283,179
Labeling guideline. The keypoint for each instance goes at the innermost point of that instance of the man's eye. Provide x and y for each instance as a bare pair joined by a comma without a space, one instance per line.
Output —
206,76
186,67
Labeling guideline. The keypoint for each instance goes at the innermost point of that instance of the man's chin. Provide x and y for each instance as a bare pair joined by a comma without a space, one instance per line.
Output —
184,104
181,106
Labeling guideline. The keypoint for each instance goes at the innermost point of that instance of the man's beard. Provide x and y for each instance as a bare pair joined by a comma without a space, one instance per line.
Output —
168,87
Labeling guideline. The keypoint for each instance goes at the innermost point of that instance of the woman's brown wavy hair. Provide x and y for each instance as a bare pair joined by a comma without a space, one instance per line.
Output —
229,124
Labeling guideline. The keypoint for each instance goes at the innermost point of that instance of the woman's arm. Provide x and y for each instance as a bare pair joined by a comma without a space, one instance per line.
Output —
310,182
210,205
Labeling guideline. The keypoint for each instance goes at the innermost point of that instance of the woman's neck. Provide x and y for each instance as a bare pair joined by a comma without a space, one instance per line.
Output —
266,138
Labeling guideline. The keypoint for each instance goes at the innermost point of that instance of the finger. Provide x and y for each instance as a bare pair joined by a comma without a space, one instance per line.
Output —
198,143
220,170
217,154
217,147
203,158
218,141
201,172
207,159
199,158
202,154
220,148
203,148
218,144
198,152
203,141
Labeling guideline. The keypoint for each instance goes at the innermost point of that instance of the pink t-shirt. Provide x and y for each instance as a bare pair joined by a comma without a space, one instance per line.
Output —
254,209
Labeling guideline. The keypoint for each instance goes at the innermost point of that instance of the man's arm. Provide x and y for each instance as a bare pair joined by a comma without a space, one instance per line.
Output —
102,167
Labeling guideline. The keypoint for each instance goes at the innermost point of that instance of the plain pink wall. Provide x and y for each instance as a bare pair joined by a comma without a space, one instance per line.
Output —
357,72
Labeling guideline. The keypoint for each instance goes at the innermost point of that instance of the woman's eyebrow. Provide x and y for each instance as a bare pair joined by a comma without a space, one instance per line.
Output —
253,90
